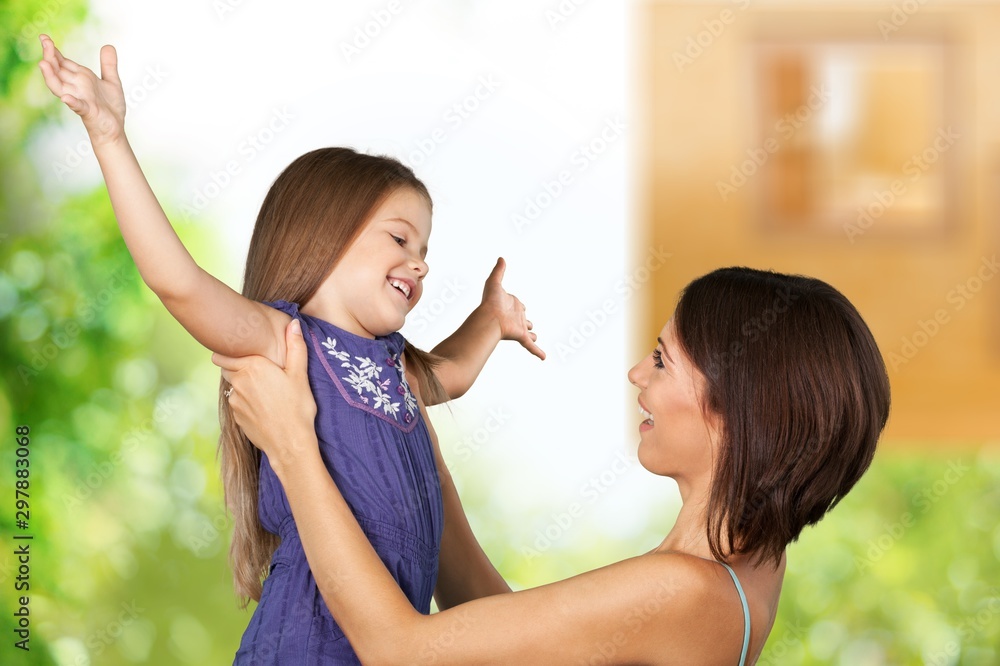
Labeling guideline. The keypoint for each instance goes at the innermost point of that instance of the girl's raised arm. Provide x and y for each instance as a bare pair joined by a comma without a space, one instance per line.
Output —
642,610
216,315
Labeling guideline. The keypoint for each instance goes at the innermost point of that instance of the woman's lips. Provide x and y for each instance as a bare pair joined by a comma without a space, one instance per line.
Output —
647,424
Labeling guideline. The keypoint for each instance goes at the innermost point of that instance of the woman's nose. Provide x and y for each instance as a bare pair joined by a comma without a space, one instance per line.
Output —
635,375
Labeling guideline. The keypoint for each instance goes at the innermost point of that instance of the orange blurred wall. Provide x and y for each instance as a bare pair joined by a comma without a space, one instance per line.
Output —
930,291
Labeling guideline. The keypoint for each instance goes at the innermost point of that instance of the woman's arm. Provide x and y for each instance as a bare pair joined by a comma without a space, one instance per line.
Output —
500,316
631,612
216,315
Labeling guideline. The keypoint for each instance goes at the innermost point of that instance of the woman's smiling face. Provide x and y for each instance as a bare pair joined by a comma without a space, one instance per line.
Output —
678,436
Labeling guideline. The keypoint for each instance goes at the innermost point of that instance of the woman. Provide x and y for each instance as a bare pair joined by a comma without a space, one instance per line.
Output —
764,399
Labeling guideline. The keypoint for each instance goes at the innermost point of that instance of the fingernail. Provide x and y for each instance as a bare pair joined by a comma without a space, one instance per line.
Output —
296,327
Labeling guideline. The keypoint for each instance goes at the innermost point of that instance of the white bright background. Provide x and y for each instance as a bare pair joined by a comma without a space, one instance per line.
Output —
204,77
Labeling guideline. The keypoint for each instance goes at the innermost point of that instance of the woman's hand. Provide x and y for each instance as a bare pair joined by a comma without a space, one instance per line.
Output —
508,311
274,405
100,102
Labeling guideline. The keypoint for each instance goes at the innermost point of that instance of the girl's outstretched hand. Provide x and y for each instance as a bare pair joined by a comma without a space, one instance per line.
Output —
509,311
100,102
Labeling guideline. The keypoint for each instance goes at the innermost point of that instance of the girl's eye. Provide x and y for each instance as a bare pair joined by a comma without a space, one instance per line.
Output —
400,241
657,358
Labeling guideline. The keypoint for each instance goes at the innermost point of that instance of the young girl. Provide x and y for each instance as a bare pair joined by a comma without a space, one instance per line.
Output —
339,246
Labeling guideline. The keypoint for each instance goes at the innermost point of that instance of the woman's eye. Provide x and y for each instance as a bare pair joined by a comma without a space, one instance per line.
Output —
657,358
400,241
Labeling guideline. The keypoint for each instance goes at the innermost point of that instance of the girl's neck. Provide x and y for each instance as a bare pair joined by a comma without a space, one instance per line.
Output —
337,316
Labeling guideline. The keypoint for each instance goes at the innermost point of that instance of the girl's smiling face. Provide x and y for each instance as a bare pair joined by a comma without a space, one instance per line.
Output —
678,436
379,278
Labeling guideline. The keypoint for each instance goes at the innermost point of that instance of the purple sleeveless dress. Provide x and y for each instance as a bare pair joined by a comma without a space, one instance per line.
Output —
377,448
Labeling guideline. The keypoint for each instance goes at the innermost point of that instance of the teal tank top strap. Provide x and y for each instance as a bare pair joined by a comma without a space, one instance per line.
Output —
746,614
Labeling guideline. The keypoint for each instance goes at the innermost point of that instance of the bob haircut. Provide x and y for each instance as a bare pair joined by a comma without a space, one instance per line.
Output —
803,393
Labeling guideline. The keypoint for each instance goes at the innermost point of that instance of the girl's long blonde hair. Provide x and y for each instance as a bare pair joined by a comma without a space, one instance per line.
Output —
313,212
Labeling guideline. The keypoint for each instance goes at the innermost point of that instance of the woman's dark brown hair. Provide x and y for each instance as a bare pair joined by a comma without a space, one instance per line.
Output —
313,212
803,393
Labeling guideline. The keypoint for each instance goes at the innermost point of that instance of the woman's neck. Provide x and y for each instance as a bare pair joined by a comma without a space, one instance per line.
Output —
689,534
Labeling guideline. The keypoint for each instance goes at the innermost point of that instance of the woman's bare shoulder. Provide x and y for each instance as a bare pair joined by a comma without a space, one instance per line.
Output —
705,615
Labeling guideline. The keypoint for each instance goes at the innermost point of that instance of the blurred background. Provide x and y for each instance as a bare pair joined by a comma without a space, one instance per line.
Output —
611,152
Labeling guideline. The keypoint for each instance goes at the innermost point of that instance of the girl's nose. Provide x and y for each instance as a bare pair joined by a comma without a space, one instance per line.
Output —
421,267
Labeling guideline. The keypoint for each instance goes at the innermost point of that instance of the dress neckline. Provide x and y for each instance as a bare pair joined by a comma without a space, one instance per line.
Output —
343,333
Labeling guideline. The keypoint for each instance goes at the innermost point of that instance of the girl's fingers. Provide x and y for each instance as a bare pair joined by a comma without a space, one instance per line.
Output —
66,63
77,106
109,64
53,82
53,56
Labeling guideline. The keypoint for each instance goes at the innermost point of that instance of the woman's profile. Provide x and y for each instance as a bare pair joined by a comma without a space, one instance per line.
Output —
763,398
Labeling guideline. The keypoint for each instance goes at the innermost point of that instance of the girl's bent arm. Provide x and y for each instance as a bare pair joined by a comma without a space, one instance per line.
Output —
216,315
464,571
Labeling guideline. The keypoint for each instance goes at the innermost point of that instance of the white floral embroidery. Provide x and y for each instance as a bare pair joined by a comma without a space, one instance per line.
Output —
365,377
408,399
368,367
331,345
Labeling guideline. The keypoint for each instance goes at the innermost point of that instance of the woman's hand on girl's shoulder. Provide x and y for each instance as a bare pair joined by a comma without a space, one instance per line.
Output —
274,406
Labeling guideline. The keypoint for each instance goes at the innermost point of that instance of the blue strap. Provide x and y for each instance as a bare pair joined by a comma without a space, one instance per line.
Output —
746,613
